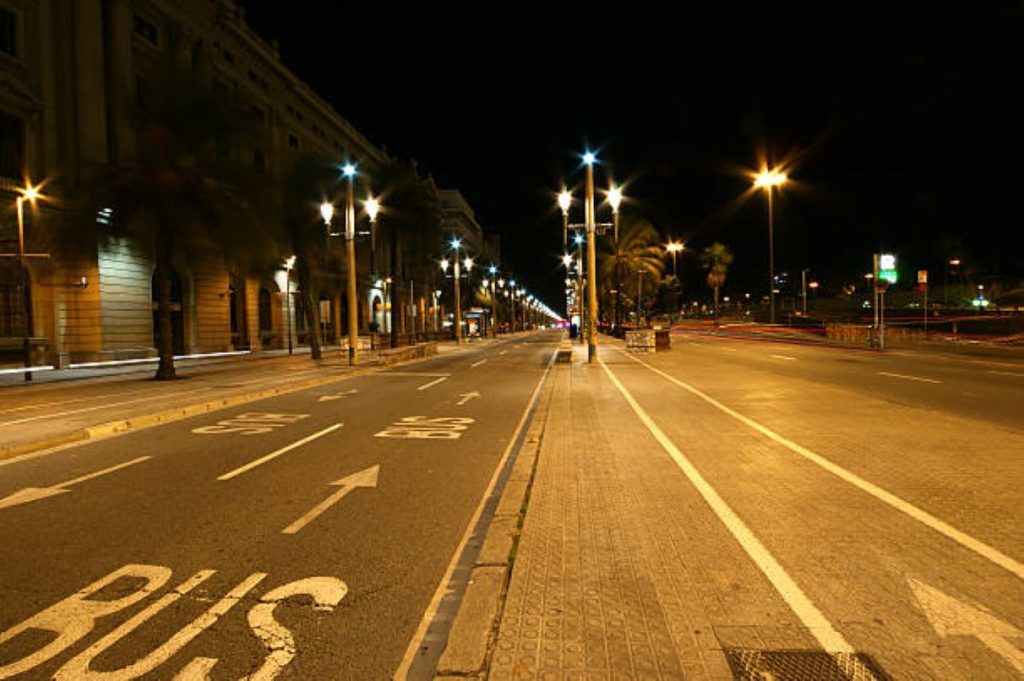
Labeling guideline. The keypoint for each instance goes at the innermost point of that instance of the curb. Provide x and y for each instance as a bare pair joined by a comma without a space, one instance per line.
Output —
473,633
120,426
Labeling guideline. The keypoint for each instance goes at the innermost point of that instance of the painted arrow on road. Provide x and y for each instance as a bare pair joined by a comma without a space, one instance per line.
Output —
950,617
466,397
24,496
337,396
364,478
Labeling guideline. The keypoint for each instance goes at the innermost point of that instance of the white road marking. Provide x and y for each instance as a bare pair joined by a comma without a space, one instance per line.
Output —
1006,373
951,617
476,364
503,352
338,396
812,618
785,357
909,378
466,397
418,374
273,455
412,650
38,417
423,428
34,493
364,478
432,383
940,526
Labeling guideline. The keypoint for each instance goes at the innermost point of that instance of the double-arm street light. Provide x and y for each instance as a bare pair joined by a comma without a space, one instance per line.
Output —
458,262
768,180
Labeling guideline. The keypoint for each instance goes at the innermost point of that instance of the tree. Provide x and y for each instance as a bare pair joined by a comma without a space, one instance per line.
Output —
180,193
639,250
311,180
410,224
716,258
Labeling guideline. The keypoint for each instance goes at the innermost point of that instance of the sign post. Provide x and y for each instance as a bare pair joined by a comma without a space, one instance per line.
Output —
885,274
922,283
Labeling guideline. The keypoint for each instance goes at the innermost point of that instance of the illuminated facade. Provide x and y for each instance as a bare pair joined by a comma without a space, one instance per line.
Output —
70,73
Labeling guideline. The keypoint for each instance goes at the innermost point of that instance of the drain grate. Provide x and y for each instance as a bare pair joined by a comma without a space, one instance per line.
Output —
802,665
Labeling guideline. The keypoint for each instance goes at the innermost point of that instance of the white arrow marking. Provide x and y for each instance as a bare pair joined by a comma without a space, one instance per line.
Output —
950,617
364,478
338,396
23,496
466,397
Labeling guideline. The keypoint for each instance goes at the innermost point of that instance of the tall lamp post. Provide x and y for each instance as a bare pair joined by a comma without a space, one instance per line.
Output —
588,160
768,180
564,202
289,264
494,301
349,171
456,244
512,302
31,194
615,199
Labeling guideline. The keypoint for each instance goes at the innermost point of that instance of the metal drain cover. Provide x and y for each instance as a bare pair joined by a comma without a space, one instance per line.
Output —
802,665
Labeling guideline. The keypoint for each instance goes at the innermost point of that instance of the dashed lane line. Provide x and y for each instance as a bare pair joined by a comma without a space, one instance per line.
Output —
273,455
785,357
967,541
908,378
432,383
476,364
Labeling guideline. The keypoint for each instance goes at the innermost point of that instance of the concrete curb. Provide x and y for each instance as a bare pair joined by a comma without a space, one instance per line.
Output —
472,636
120,426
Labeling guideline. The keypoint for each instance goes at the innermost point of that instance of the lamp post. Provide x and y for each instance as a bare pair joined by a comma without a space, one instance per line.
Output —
456,244
673,247
494,301
372,207
768,180
588,160
31,194
349,171
564,202
615,199
289,263
512,303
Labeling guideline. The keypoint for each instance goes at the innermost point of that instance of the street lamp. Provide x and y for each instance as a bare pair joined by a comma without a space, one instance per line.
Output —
494,300
372,208
564,202
456,244
349,171
289,264
588,160
674,247
31,194
615,199
768,180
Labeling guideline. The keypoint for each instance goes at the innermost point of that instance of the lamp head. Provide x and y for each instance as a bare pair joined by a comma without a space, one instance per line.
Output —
348,170
372,206
468,262
766,179
444,264
289,262
564,201
589,158
29,192
493,270
456,243
566,259
615,197
327,211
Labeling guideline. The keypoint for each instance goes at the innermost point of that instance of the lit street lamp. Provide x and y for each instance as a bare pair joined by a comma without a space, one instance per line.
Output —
289,264
456,244
674,247
564,202
31,194
768,180
615,199
589,159
494,300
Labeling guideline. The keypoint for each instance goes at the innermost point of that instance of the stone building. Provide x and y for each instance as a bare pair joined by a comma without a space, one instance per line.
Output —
70,71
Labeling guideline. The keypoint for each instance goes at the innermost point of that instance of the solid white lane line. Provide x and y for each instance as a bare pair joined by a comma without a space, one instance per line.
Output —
432,383
785,357
476,364
90,476
940,526
412,651
830,639
909,378
38,417
273,455
1006,373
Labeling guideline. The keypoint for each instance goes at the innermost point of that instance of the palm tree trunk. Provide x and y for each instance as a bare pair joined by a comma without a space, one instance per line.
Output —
165,344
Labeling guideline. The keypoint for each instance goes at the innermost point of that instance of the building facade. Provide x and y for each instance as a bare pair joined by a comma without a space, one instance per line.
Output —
71,74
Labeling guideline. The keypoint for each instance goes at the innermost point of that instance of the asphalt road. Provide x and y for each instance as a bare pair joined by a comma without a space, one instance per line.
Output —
298,537
878,495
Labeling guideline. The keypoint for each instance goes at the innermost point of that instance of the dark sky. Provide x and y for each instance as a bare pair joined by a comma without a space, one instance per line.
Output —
903,127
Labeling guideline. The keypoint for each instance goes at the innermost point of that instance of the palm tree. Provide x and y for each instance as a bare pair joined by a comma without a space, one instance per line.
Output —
716,258
410,223
638,250
311,179
180,194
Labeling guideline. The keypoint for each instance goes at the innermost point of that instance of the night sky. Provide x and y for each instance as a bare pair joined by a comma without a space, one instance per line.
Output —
902,128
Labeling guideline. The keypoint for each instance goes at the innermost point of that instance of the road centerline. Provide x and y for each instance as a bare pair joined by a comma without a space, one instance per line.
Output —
278,452
908,378
924,517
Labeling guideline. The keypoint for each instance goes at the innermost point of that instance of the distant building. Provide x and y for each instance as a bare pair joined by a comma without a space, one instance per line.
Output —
70,72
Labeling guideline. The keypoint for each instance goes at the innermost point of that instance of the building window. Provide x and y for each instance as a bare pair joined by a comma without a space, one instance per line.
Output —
12,146
146,30
293,140
8,32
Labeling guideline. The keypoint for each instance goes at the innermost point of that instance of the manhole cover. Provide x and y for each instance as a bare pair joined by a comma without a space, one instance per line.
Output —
802,665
